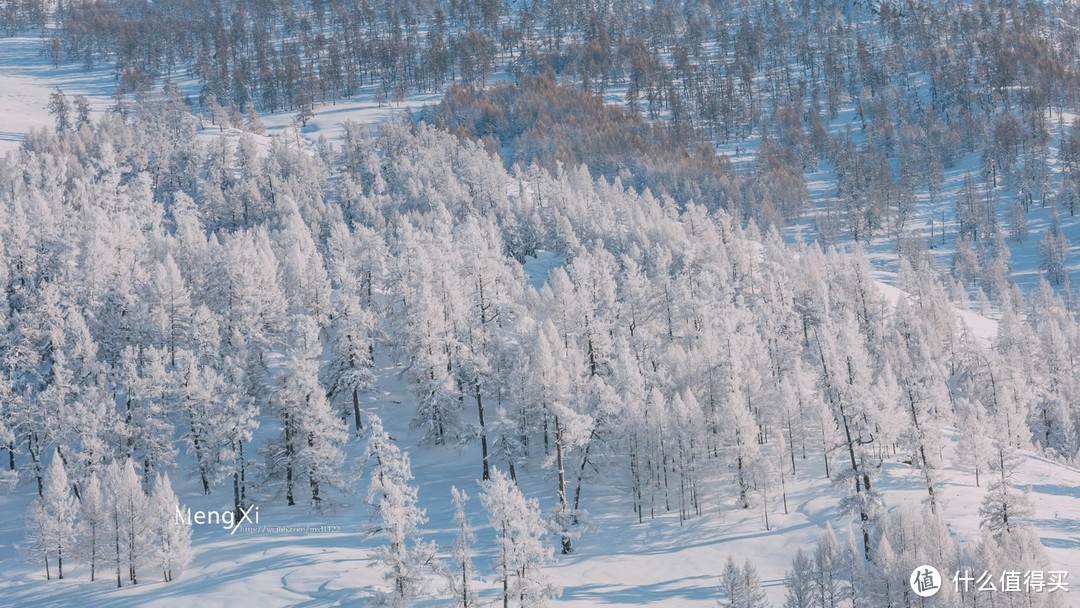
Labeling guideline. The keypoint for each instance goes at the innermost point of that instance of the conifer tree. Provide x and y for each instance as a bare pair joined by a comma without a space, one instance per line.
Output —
521,554
395,517
461,571
1002,505
93,517
173,536
799,582
129,522
52,519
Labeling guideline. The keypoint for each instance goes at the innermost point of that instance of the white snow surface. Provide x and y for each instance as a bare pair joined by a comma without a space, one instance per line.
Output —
26,80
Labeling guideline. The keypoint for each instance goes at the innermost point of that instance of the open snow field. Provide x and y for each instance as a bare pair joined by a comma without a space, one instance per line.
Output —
26,80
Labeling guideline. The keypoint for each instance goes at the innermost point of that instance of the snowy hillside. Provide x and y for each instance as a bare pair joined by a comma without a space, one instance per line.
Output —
306,559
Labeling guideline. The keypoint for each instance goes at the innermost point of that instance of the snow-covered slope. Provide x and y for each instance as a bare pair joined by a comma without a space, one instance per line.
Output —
296,558
302,559
27,79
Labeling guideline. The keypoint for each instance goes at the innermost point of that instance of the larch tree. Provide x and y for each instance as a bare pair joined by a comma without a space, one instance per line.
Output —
200,396
488,286
553,374
741,587
145,391
60,109
93,523
849,392
799,582
519,531
311,436
172,536
1002,505
129,522
350,371
51,521
396,517
172,312
236,423
973,445
1053,250
461,573
923,388
743,451
427,301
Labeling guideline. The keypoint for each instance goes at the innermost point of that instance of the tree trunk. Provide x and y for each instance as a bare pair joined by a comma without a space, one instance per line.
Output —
288,463
483,429
32,449
313,478
356,412
93,550
116,523
581,476
567,547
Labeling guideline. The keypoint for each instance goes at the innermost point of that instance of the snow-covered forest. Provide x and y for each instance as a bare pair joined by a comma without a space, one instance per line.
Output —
744,290
942,123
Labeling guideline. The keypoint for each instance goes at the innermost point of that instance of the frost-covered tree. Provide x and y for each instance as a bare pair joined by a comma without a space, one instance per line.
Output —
60,109
146,391
312,437
200,394
826,569
850,394
350,370
172,536
552,389
487,285
93,520
1002,505
461,573
519,532
395,517
741,587
799,582
744,451
129,522
1053,250
51,521
235,425
1018,225
922,389
973,445
171,309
